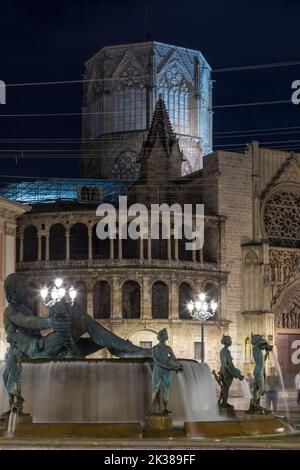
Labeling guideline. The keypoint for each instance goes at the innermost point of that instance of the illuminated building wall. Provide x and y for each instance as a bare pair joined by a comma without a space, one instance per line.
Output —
8,214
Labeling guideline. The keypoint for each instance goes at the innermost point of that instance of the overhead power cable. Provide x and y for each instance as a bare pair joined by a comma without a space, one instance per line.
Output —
233,105
258,66
103,138
217,70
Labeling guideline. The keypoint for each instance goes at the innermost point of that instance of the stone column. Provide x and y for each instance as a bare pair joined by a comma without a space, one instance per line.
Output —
141,248
146,298
21,248
176,248
198,286
90,249
67,245
111,248
149,244
47,245
116,307
39,247
169,249
90,306
174,299
120,254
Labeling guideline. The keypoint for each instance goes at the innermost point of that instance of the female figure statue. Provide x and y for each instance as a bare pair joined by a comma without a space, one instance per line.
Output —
164,363
259,346
227,372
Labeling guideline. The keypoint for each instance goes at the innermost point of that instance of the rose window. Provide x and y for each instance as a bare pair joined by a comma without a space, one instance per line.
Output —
282,219
126,166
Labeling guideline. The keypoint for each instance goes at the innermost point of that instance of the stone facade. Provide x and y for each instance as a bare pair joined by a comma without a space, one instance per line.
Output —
9,212
255,279
134,287
251,255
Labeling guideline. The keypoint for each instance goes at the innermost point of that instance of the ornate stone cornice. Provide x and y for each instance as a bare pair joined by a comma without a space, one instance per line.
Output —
10,229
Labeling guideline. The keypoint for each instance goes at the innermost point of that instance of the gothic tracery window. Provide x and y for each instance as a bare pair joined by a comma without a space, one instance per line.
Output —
129,102
282,219
126,166
120,108
174,91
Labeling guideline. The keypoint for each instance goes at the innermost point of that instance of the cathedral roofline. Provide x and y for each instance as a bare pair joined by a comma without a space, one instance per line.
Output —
143,43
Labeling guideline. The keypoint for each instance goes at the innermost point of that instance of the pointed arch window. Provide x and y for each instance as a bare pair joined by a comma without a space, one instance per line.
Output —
129,102
174,90
120,108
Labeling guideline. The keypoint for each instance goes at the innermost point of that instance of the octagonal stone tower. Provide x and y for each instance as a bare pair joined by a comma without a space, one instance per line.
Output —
123,84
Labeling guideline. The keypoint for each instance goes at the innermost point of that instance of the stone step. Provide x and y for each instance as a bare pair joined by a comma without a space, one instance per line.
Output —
65,430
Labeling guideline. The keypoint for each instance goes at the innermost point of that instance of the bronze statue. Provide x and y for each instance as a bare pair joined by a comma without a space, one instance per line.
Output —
259,344
226,373
23,333
164,363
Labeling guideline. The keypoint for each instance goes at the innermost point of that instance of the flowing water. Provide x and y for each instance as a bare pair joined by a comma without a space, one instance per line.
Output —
284,392
110,391
197,390
12,422
246,394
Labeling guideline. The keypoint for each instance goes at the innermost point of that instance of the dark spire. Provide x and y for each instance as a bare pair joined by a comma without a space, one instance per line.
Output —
160,128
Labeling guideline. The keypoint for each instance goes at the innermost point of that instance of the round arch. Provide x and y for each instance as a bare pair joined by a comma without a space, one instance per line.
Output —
57,242
100,248
102,300
211,244
186,294
160,300
30,243
79,241
212,290
81,299
131,299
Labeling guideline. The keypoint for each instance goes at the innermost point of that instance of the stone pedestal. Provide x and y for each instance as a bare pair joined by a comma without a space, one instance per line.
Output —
158,422
22,418
227,412
78,430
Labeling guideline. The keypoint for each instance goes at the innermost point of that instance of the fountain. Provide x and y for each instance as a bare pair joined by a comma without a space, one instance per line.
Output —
67,395
279,372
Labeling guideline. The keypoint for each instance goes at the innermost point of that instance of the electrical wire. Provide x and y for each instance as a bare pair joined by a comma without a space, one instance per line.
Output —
108,79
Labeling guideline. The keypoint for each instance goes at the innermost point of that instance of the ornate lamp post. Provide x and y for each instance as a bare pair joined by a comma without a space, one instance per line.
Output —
57,293
202,310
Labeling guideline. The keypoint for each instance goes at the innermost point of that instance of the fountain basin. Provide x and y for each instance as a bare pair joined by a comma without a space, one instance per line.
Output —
74,430
244,426
109,391
110,398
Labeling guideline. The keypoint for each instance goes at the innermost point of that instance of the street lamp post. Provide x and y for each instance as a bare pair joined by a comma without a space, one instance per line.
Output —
202,310
57,293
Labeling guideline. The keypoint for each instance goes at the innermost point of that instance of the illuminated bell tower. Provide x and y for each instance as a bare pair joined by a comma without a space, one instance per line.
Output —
123,84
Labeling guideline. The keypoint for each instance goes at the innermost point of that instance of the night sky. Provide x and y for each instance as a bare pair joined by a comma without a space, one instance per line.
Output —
49,41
